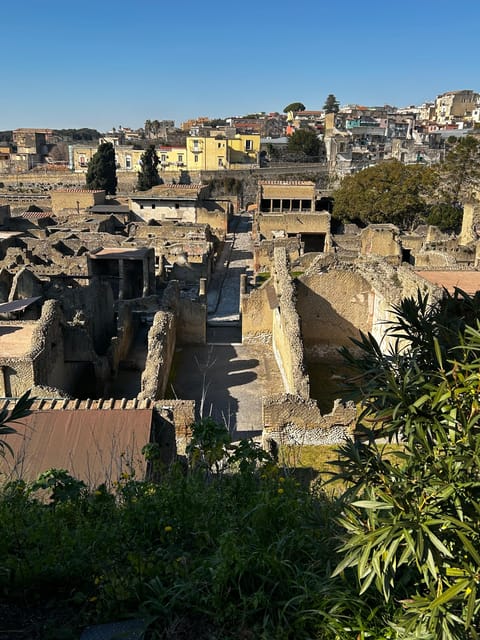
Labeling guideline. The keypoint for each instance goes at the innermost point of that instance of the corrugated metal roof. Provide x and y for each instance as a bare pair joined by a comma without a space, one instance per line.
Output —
17,305
95,446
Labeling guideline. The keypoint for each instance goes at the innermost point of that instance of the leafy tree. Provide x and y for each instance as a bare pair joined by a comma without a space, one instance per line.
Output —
148,175
460,172
411,515
102,171
331,104
447,217
304,142
294,106
387,192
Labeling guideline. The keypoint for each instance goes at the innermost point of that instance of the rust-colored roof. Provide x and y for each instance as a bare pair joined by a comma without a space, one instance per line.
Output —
93,445
468,281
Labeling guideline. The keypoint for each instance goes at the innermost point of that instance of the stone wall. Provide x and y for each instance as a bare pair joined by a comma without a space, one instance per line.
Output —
333,305
263,252
191,322
48,347
161,348
76,199
217,219
290,419
257,314
43,360
286,337
470,223
292,223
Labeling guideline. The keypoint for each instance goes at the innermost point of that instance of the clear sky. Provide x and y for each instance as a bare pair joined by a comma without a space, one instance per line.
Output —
104,63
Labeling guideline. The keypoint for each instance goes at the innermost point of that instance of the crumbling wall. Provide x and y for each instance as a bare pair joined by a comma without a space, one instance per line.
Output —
290,419
76,199
48,348
470,223
286,336
293,223
25,284
263,252
191,322
257,314
333,305
216,218
161,345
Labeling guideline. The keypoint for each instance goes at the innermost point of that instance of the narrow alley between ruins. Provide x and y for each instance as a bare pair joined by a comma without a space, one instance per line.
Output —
226,378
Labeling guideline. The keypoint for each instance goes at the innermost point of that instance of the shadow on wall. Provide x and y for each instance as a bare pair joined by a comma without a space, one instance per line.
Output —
325,328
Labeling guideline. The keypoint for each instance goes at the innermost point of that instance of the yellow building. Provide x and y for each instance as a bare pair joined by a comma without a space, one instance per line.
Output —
172,158
127,158
206,153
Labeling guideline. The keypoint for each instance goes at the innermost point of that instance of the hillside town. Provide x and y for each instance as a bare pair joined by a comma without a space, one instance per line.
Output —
231,254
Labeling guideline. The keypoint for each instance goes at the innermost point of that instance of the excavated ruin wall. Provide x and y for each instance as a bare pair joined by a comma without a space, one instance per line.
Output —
286,336
48,349
334,305
161,347
257,314
289,419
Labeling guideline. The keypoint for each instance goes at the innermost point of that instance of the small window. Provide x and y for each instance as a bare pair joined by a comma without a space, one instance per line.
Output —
153,206
180,157
220,162
177,206
128,162
248,145
163,158
195,158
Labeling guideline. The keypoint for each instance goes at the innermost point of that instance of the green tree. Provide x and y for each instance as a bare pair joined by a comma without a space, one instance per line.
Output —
331,104
411,514
148,175
294,106
387,192
305,144
102,171
459,174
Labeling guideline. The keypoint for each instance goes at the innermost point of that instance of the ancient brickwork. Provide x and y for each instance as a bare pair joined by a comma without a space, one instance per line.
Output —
257,314
334,305
161,347
263,252
286,335
290,419
272,224
76,199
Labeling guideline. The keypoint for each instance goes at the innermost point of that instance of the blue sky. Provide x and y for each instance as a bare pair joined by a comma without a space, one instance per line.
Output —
104,63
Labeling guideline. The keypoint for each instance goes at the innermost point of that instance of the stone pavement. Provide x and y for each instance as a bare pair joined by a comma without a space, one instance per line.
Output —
223,295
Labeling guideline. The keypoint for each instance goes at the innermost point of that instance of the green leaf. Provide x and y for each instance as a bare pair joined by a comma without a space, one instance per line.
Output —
450,593
372,504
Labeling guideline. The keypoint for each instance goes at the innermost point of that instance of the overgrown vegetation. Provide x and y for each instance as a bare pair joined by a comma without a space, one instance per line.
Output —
232,545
